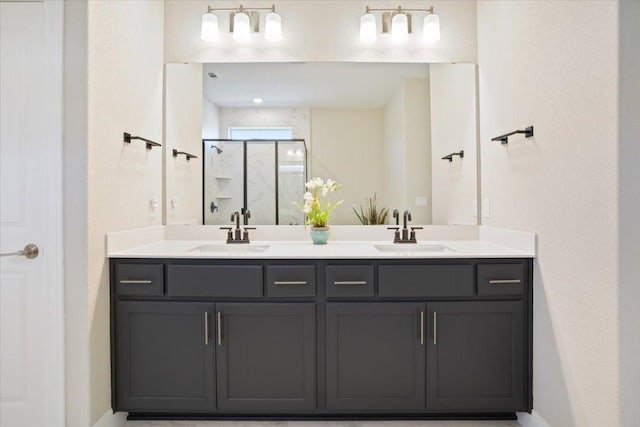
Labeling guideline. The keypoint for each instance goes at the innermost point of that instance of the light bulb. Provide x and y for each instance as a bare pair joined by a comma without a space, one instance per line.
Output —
241,27
273,27
431,28
368,31
400,27
209,28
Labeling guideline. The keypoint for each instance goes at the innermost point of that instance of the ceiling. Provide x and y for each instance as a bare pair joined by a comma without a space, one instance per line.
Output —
308,84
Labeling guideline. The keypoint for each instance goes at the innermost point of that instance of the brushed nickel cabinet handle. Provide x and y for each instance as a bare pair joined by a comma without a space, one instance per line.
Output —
505,282
435,328
350,283
291,283
206,328
136,282
219,327
422,327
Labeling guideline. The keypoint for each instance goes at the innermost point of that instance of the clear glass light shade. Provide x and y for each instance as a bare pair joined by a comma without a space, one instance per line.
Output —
241,27
431,29
400,27
273,27
209,29
368,30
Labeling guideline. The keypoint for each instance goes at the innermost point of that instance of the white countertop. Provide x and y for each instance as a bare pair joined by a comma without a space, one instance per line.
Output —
332,250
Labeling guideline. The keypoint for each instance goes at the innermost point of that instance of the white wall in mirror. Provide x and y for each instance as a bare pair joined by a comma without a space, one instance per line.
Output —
375,128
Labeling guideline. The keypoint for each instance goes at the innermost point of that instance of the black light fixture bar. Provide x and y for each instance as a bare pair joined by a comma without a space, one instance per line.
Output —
504,139
150,144
189,156
450,156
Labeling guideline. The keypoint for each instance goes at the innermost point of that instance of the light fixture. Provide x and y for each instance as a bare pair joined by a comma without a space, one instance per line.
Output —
431,28
368,30
243,21
209,29
397,22
273,26
257,100
400,27
241,26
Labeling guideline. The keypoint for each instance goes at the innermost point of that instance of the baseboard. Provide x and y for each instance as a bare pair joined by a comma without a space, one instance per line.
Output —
531,420
112,420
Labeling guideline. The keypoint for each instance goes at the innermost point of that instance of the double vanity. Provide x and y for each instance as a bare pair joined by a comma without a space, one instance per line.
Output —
351,329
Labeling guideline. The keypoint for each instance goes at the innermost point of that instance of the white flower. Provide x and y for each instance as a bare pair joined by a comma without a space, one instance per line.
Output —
325,190
308,196
306,209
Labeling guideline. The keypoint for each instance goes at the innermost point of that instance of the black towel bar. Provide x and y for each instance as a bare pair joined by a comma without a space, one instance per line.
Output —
187,155
450,156
150,144
504,139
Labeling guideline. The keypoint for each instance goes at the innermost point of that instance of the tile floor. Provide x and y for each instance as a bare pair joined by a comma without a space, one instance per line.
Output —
321,424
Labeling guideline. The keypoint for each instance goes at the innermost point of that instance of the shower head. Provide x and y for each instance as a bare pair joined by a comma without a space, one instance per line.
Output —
218,149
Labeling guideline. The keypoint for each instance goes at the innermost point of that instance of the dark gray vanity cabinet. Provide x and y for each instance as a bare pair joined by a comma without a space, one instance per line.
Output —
375,356
476,356
165,356
318,339
266,356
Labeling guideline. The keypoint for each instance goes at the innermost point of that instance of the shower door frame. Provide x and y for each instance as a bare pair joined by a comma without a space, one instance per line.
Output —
244,168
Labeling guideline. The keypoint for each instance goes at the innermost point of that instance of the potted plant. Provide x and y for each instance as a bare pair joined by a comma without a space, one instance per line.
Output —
317,216
371,214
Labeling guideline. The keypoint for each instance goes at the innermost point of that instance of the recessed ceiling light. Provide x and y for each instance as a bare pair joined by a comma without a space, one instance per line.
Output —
257,100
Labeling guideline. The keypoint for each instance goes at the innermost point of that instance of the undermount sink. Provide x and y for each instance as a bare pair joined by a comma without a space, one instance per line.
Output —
411,247
230,247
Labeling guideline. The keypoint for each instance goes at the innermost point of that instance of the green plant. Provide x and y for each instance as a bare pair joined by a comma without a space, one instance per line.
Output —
370,215
317,216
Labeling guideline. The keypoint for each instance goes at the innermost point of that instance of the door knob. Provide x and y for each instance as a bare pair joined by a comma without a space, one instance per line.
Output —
30,251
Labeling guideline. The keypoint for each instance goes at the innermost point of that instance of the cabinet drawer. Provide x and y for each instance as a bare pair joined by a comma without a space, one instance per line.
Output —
425,280
140,279
501,279
291,280
349,280
214,281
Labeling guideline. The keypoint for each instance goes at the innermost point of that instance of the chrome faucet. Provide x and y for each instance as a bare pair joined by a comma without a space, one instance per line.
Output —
239,235
406,236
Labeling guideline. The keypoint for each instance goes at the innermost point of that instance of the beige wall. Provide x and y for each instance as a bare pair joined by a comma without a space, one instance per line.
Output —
125,87
553,65
318,30
75,188
454,128
347,147
629,212
183,131
406,162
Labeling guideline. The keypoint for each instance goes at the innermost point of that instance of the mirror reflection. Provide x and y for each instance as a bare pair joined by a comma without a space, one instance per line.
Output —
381,130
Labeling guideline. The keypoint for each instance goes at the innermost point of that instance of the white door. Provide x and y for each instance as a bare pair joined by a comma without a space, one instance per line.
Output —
31,346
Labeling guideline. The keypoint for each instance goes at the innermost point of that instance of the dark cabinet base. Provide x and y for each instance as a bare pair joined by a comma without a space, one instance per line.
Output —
492,416
321,340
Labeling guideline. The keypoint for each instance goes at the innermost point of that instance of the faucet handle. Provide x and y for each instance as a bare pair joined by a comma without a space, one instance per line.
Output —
396,215
229,233
246,214
393,228
417,228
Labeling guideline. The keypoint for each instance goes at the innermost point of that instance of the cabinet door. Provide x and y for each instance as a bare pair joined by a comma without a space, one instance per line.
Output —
375,356
266,357
475,356
164,357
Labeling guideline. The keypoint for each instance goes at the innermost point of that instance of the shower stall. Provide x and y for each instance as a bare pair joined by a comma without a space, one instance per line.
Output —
265,176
